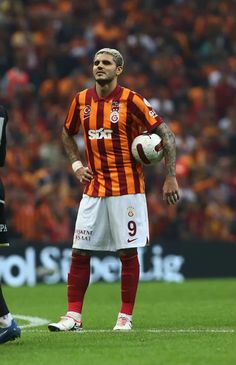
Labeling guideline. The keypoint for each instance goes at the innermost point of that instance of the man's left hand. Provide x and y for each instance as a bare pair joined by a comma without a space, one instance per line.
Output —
171,190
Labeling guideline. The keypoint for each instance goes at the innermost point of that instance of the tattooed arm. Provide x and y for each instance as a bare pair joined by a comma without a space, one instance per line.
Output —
170,187
83,174
70,146
168,140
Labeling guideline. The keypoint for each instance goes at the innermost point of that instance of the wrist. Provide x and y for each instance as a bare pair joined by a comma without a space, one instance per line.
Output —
76,165
170,176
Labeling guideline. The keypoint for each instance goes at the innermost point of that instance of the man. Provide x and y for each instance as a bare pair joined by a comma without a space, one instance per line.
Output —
8,328
112,215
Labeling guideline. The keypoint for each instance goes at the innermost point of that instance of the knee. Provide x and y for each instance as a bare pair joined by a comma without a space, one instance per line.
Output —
127,252
76,252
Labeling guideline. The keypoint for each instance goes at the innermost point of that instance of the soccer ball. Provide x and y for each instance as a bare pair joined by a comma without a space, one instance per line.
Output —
147,148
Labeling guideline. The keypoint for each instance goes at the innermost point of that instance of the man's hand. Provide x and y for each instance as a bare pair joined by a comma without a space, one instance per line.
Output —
171,190
84,175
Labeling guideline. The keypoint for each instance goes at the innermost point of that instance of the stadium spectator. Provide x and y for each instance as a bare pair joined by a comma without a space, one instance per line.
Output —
180,54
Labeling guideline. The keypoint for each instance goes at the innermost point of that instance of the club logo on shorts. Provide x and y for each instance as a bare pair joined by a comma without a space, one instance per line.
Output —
131,211
114,117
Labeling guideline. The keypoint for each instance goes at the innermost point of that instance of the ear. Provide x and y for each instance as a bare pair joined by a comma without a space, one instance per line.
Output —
119,70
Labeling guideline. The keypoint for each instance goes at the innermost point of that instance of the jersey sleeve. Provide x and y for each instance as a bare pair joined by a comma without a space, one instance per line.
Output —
72,122
3,138
144,113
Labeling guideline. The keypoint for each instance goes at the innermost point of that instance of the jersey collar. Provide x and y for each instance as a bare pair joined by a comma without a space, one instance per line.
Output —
115,94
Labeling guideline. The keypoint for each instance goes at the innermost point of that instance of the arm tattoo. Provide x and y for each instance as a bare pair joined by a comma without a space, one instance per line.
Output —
168,140
70,146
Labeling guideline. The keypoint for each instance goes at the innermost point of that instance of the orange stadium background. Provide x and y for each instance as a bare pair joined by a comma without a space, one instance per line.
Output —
180,55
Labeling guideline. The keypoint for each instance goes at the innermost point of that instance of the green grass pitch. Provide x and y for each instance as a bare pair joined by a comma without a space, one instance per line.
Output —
193,323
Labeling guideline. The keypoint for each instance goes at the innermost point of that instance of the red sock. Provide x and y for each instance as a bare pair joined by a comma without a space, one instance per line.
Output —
129,282
78,281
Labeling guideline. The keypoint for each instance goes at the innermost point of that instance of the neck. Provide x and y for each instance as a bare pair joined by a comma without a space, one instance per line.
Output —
105,90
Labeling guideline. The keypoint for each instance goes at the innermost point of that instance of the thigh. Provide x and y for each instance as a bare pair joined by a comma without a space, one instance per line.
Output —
128,221
92,230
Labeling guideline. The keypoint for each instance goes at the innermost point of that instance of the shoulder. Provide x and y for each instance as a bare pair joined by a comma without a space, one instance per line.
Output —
81,95
128,94
137,99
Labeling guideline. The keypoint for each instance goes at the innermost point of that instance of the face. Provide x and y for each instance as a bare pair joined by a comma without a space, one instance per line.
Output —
105,69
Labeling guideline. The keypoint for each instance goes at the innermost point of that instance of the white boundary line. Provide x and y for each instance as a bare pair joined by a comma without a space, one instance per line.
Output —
200,330
37,321
154,330
33,321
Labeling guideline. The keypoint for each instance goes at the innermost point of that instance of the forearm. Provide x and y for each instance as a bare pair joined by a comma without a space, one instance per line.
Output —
70,146
168,140
83,174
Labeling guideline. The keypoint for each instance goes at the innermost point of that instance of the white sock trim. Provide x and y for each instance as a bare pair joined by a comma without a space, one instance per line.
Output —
129,316
74,315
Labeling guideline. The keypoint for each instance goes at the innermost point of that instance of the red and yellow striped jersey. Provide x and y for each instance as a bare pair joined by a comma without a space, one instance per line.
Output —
109,125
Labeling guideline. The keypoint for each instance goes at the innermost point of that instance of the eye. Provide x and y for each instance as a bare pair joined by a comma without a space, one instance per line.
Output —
96,63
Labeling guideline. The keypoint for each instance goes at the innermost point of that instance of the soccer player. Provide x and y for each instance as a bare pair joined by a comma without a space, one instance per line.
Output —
8,328
112,215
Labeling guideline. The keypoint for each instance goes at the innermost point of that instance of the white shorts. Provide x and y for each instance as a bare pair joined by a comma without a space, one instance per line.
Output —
111,223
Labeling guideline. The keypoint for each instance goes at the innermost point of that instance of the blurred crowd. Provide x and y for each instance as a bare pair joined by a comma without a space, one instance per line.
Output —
179,54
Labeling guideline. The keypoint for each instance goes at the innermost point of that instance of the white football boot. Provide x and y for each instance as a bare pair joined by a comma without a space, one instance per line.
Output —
124,322
67,323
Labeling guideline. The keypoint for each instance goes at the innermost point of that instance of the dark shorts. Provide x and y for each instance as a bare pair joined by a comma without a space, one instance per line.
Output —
3,226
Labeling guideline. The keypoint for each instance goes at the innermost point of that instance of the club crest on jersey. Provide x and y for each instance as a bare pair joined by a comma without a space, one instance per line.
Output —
87,111
131,211
114,117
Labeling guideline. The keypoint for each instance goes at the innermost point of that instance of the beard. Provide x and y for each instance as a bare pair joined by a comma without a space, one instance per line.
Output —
103,82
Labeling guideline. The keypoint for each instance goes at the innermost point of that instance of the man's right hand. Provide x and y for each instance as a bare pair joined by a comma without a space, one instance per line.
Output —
84,175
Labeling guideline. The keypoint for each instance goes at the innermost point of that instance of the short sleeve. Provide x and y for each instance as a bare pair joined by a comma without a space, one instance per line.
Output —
72,122
146,115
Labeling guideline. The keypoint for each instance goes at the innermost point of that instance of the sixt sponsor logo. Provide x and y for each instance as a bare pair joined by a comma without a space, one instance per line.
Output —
100,133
